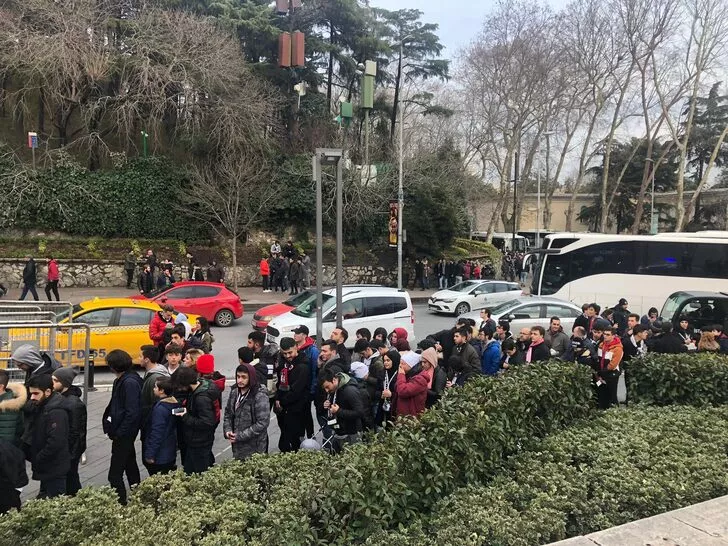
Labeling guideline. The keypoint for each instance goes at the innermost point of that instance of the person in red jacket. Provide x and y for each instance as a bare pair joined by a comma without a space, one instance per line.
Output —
412,389
265,273
52,281
160,328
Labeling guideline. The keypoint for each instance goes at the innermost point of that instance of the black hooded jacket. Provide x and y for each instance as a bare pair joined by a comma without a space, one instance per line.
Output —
49,449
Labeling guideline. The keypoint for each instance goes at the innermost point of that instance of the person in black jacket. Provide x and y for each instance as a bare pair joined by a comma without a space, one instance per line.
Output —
30,279
294,384
199,419
12,475
538,350
344,404
122,420
49,451
668,342
63,385
340,335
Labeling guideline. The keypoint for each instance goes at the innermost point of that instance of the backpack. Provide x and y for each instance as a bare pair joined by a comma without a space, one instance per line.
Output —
367,421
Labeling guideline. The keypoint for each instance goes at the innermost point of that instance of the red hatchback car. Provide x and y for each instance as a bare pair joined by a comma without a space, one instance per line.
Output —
212,300
264,315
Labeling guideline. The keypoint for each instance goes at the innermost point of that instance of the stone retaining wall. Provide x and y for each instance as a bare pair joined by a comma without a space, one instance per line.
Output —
107,273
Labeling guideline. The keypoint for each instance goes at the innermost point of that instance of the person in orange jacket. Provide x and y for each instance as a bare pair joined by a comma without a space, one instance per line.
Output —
265,273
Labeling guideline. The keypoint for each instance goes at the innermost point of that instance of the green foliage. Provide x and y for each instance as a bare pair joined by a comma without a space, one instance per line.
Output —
306,498
695,379
135,200
620,467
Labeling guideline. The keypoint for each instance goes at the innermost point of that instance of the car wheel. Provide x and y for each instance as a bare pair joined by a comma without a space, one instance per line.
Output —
224,318
462,308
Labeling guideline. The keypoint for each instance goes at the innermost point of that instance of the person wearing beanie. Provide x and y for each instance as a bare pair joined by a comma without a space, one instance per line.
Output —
63,384
206,370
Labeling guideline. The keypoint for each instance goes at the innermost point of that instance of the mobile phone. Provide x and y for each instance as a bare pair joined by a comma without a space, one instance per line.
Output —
178,411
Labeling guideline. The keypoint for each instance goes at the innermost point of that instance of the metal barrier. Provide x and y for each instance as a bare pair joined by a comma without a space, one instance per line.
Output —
62,309
68,343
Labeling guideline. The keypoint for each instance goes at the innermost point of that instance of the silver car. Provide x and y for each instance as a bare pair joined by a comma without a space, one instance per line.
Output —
528,311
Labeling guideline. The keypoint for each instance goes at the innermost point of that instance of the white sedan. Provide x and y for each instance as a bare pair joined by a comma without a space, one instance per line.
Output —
471,295
528,311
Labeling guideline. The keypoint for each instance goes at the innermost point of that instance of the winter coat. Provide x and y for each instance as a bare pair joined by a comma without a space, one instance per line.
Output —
439,380
53,270
412,393
352,410
11,414
157,327
123,415
670,343
149,399
160,435
264,268
49,453
145,282
490,361
294,397
296,272
470,361
202,341
30,273
215,273
538,353
130,262
249,420
199,423
77,424
312,353
336,366
559,342
39,363
12,467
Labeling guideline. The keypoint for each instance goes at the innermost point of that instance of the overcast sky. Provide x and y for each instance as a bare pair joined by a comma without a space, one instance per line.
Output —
459,20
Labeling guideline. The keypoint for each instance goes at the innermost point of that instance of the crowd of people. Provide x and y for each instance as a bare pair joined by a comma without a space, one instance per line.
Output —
30,279
177,405
153,273
450,272
285,268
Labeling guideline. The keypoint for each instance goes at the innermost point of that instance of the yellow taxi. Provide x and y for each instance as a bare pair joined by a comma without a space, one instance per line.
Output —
116,323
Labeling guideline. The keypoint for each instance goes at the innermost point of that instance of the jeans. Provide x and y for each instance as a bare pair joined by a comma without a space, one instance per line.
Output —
458,279
442,281
54,487
73,480
123,460
198,459
29,288
52,286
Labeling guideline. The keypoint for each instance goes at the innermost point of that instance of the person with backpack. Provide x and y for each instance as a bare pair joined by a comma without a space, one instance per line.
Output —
159,449
346,406
202,337
198,419
63,384
206,370
247,414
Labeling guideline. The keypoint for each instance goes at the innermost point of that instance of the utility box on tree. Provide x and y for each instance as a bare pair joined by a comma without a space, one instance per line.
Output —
297,48
284,50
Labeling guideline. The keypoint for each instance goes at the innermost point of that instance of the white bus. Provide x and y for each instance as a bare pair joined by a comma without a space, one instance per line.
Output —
502,241
644,269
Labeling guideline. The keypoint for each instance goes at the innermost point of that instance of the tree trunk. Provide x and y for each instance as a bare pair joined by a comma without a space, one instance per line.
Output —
691,206
235,262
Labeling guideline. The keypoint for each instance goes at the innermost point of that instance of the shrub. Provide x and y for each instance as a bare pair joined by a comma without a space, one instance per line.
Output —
622,466
309,498
696,379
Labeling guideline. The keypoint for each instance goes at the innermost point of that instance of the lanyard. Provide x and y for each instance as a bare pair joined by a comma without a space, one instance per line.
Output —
241,399
387,380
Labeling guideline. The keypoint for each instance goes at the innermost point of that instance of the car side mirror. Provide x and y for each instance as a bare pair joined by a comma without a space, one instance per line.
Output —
511,317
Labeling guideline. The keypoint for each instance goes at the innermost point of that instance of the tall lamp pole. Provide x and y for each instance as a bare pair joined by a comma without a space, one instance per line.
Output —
400,190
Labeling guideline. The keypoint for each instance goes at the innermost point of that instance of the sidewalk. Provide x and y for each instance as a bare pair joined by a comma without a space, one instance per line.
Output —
253,297
697,525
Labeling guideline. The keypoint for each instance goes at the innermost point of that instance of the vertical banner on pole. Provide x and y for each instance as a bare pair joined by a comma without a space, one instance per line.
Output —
393,222
32,140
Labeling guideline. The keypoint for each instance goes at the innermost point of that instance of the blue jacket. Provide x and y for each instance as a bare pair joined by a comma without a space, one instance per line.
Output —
122,417
312,352
491,359
160,434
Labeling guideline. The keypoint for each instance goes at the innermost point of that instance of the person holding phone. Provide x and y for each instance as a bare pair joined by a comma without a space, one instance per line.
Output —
160,434
247,414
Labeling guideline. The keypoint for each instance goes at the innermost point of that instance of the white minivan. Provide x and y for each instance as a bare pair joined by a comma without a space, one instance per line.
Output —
363,306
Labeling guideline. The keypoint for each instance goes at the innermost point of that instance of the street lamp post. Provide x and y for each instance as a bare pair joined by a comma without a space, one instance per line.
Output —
400,190
331,157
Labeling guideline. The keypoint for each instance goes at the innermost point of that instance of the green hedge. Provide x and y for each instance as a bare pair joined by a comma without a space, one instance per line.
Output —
307,498
623,466
695,379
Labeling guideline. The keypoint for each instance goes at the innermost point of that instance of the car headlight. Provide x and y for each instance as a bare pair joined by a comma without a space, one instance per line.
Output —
447,301
266,318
